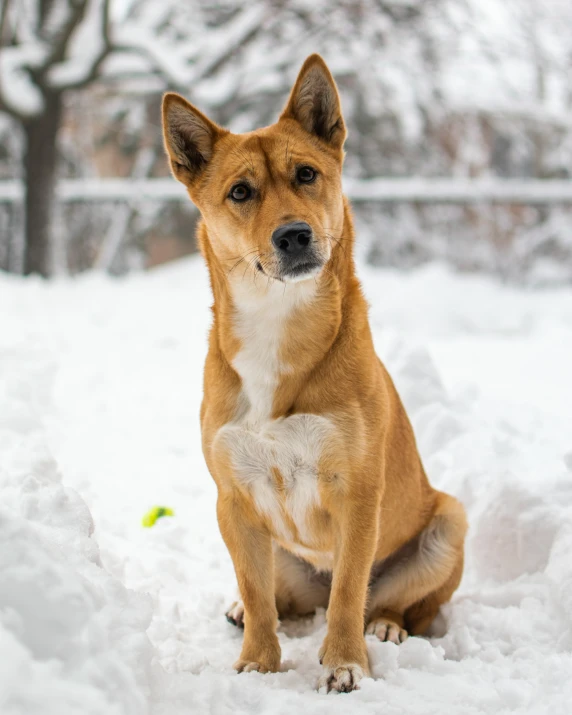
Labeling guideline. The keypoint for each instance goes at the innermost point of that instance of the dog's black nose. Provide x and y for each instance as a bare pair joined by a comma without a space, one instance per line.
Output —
292,238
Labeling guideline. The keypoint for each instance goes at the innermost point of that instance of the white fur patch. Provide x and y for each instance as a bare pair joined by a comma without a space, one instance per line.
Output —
292,445
257,444
262,315
304,276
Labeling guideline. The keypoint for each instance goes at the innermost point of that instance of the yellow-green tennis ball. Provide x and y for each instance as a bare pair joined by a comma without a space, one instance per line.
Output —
155,513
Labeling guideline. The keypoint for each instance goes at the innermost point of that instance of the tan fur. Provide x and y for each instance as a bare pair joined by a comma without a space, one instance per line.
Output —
303,431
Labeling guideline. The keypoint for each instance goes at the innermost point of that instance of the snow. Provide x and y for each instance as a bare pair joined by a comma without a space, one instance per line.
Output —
18,90
100,386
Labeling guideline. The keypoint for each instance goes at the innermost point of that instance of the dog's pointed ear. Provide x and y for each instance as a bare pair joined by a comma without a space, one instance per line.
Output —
314,103
189,137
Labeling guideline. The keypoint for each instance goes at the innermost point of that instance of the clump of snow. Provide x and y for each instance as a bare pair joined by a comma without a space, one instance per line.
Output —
18,90
100,385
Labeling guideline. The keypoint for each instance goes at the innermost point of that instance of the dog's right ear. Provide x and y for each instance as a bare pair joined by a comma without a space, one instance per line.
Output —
314,103
189,137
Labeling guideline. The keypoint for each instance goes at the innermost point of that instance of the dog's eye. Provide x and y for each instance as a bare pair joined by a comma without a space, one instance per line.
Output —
306,174
240,192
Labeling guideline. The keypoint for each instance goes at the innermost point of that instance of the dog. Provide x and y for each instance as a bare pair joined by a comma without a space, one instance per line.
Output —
322,497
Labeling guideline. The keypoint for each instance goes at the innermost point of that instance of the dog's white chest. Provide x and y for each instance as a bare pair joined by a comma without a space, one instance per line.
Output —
261,324
276,460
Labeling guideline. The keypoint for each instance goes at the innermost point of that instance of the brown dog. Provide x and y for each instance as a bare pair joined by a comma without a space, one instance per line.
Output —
322,497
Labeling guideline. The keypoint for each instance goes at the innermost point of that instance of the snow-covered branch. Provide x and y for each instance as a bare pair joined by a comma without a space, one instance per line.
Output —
186,64
224,41
48,49
20,96
66,49
87,48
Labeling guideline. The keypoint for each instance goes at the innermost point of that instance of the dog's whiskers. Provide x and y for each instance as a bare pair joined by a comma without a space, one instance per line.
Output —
337,241
249,264
241,256
240,260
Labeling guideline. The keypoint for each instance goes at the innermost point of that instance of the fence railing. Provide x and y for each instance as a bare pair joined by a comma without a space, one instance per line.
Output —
422,190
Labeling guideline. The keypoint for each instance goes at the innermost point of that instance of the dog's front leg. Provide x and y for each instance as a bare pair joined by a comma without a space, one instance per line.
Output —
343,653
250,547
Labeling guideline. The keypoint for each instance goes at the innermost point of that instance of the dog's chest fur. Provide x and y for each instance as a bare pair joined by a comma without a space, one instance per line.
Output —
276,460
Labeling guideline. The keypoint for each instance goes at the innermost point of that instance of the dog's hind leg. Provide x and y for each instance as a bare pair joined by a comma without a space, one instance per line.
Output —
300,589
422,575
421,614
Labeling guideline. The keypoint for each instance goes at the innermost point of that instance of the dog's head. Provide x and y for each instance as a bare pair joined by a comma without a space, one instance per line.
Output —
271,199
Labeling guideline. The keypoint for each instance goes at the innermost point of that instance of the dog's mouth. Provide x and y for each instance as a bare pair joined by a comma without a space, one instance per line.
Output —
301,271
292,273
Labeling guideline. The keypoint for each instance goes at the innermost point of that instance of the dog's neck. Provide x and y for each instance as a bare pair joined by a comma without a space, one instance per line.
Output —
272,333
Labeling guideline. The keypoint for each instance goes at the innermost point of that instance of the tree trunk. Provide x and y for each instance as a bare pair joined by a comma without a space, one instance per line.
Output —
40,162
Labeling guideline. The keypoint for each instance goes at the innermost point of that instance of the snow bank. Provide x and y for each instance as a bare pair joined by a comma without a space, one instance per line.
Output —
72,636
99,394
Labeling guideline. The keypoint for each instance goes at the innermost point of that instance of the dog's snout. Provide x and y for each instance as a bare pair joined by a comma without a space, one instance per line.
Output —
297,251
292,238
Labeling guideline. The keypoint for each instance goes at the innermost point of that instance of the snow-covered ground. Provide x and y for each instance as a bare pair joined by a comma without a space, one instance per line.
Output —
100,385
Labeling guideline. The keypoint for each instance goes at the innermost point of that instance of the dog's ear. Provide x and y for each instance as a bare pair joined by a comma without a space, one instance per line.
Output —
314,102
189,137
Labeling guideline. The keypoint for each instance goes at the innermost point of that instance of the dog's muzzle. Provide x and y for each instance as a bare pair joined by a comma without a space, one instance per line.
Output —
296,251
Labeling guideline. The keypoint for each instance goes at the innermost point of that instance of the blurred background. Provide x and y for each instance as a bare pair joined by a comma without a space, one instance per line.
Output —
459,115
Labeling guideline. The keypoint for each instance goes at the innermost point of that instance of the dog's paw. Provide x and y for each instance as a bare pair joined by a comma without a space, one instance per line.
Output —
260,660
342,679
245,666
386,630
235,615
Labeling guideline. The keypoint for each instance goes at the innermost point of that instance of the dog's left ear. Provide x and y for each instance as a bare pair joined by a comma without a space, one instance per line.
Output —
314,102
